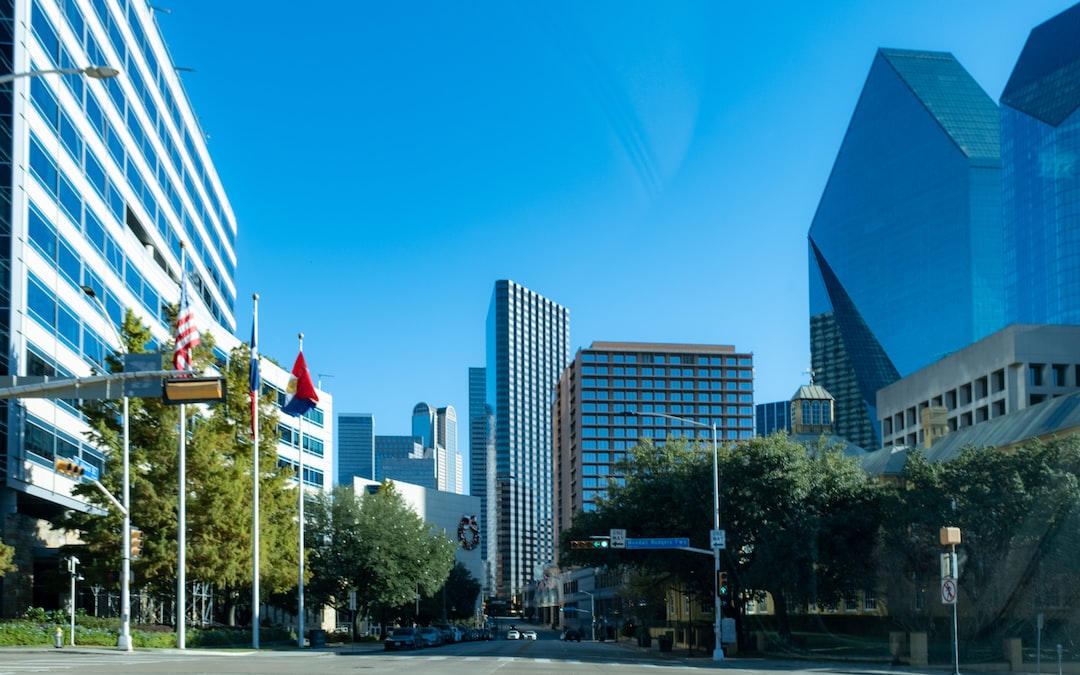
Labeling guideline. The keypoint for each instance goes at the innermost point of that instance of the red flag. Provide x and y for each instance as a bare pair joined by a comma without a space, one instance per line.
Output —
300,388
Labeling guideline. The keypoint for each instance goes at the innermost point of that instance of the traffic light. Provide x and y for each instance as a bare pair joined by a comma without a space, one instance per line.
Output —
69,467
136,542
722,584
589,543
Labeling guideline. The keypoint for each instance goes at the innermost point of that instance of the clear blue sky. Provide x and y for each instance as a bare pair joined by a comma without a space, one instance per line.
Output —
652,166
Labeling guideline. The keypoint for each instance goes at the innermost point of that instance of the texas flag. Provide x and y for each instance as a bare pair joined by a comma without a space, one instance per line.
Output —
300,391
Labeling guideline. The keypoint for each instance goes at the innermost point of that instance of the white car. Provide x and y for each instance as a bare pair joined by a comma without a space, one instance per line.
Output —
529,635
513,635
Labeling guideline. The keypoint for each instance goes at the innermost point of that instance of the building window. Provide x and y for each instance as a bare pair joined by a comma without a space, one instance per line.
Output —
1035,374
869,601
1060,374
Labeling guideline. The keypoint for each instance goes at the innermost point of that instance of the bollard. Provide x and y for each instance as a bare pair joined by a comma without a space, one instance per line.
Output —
59,635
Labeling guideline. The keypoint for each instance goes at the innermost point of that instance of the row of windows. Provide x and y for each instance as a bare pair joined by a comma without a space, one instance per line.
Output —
676,409
589,382
634,420
668,372
634,395
46,443
703,435
685,359
313,477
291,437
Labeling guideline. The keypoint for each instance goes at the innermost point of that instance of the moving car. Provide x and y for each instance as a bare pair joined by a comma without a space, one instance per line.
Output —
403,638
513,634
529,635
571,634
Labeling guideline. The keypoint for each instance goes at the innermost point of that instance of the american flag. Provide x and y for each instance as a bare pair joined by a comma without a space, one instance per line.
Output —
187,335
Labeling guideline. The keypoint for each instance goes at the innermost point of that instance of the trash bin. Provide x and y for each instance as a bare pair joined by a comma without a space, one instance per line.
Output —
318,638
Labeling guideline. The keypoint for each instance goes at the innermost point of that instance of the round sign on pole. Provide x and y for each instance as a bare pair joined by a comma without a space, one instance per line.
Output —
948,591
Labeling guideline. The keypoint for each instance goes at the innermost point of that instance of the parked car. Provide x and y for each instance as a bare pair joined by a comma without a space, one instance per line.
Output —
513,634
528,635
571,634
431,636
403,638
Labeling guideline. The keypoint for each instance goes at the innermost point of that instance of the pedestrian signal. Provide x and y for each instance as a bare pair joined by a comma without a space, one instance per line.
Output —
69,467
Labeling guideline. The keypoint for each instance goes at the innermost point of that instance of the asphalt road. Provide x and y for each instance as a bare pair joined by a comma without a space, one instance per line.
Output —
544,656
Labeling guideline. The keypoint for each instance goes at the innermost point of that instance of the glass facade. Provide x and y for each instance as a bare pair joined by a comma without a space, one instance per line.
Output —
356,447
906,244
103,182
528,346
1040,126
772,417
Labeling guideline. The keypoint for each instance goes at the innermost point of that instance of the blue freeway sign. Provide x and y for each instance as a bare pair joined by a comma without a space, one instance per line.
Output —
661,542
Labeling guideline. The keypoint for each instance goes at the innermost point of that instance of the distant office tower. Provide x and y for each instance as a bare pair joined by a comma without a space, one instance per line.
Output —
428,457
1040,129
356,447
772,417
481,456
593,427
528,346
906,245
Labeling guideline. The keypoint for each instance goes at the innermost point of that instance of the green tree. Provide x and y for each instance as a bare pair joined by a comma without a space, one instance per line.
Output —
455,600
7,553
801,523
219,484
1018,516
375,545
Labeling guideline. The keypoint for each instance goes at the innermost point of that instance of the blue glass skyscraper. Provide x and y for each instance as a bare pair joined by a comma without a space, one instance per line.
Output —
1040,126
528,346
906,245
356,447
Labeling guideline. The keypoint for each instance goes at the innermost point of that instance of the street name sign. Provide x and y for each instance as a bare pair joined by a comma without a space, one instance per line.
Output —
660,542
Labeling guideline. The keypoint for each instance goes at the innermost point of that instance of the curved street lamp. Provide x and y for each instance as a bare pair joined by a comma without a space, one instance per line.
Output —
124,641
93,72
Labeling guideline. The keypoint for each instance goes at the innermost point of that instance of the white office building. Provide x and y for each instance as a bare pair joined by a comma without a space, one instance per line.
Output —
102,182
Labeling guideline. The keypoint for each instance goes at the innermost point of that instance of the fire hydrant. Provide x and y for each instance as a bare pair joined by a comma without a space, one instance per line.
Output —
59,635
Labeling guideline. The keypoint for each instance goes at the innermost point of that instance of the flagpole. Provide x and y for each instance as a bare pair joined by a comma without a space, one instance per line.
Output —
255,471
181,531
300,599
181,538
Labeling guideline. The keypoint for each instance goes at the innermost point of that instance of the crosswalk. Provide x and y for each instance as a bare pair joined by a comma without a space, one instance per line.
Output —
526,659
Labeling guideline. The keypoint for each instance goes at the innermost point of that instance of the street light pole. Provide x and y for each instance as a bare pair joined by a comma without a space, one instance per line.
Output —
124,641
592,613
718,650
